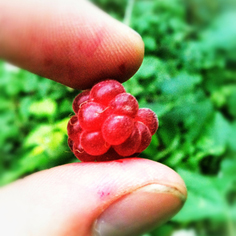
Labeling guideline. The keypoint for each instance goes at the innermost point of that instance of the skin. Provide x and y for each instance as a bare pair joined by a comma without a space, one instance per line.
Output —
71,42
74,43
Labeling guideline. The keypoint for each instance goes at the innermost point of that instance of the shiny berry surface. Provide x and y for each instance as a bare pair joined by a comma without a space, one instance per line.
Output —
92,115
124,104
105,91
116,129
149,118
79,100
108,124
131,144
93,143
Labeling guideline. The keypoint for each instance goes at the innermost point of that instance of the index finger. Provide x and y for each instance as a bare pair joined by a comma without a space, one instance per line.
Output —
72,42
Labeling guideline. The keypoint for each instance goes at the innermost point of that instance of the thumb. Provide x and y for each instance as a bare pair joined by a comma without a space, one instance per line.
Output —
124,197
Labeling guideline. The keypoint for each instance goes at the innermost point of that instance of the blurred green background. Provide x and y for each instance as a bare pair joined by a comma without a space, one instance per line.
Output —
188,77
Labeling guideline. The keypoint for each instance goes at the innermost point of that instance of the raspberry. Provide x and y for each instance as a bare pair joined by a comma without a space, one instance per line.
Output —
131,144
94,143
105,91
79,100
124,104
110,155
73,128
116,129
92,115
149,118
108,124
70,144
145,136
80,153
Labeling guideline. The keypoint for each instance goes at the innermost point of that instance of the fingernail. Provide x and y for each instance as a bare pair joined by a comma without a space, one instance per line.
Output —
140,211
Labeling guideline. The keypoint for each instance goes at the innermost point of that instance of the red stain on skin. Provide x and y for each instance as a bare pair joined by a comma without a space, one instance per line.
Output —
104,190
89,47
103,194
119,161
48,61
71,70
65,59
47,51
122,68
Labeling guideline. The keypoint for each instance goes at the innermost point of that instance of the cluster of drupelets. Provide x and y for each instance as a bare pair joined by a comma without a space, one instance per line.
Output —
108,124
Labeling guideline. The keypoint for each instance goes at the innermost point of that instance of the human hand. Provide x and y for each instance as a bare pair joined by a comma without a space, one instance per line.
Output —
74,43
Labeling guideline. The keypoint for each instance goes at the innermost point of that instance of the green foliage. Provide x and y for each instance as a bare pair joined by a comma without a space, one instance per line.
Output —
34,116
210,196
187,77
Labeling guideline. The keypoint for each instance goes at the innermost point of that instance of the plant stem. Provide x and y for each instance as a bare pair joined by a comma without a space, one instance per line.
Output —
230,227
128,12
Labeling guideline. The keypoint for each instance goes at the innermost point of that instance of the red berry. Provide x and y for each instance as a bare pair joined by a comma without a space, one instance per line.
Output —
110,155
149,118
146,136
105,91
73,128
70,144
130,145
108,124
79,100
81,154
92,116
124,104
93,143
116,129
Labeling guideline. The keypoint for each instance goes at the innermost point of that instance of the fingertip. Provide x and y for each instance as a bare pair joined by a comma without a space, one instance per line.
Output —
136,58
112,51
72,42
67,200
132,53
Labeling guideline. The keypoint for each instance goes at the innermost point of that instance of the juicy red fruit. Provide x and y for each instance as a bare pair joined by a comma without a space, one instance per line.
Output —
73,128
124,104
92,115
149,118
130,145
79,100
105,91
116,129
108,124
145,135
94,143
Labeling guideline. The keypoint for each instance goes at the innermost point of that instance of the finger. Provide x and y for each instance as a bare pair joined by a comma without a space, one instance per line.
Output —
124,197
71,42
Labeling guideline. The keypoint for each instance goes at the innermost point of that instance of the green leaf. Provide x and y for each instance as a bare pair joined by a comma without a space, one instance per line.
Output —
228,168
149,67
232,137
46,107
215,136
232,103
180,85
219,35
150,43
62,125
39,136
205,200
132,86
